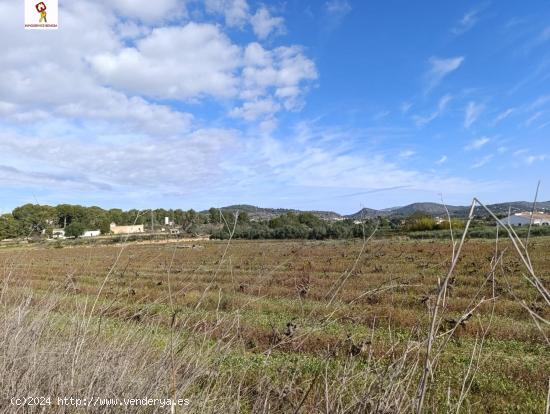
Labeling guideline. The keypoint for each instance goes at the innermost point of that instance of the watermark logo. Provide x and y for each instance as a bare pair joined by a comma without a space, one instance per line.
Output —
41,15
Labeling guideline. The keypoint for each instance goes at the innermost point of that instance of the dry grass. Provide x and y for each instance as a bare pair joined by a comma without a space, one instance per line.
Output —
269,326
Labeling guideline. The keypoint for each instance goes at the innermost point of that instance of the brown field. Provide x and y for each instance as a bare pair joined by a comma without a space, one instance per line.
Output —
268,326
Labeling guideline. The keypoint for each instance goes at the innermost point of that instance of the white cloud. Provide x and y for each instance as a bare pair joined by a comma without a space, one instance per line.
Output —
234,11
466,22
520,152
502,116
136,161
531,159
533,118
442,160
174,62
440,68
76,106
337,9
472,112
102,109
237,14
279,74
525,155
477,143
10,176
406,154
311,165
442,104
537,103
264,24
149,11
482,161
48,81
132,30
198,60
252,110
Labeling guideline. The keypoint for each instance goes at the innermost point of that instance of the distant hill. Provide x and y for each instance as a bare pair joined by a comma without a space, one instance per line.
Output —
261,213
432,209
436,209
516,206
366,213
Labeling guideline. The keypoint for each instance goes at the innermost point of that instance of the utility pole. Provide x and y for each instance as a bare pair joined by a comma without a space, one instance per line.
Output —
152,223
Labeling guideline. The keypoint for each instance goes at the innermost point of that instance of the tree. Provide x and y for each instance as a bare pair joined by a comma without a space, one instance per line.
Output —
10,227
243,217
35,217
116,215
75,229
214,215
65,214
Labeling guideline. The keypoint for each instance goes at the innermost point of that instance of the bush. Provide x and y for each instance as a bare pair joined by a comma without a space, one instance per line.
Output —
74,229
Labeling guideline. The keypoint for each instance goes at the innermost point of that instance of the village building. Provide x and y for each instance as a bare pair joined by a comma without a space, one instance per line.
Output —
136,228
58,234
524,219
91,233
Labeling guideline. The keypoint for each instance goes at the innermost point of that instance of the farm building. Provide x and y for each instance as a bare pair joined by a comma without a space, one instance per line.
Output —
524,218
138,228
91,233
58,234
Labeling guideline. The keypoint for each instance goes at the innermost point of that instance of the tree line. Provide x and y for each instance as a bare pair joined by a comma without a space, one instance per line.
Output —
33,219
292,226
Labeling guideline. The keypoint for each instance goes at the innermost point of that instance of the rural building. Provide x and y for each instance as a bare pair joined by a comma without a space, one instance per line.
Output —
137,228
58,234
91,233
524,218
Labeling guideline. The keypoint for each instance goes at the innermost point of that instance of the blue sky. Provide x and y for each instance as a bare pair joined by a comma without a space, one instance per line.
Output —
332,105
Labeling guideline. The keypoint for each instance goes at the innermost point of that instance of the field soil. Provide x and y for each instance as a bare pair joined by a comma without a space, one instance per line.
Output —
276,326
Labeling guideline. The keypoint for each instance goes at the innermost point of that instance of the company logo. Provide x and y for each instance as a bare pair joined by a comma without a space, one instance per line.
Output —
42,15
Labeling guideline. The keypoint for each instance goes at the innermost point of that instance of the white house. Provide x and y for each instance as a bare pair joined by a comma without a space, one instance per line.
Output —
524,218
58,234
91,233
126,229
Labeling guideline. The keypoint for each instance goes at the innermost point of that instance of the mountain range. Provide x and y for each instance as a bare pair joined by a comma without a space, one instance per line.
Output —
432,209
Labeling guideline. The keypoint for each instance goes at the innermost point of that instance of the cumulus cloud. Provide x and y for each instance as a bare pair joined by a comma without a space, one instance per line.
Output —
149,11
279,74
252,110
263,23
112,104
198,60
95,106
235,11
174,62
